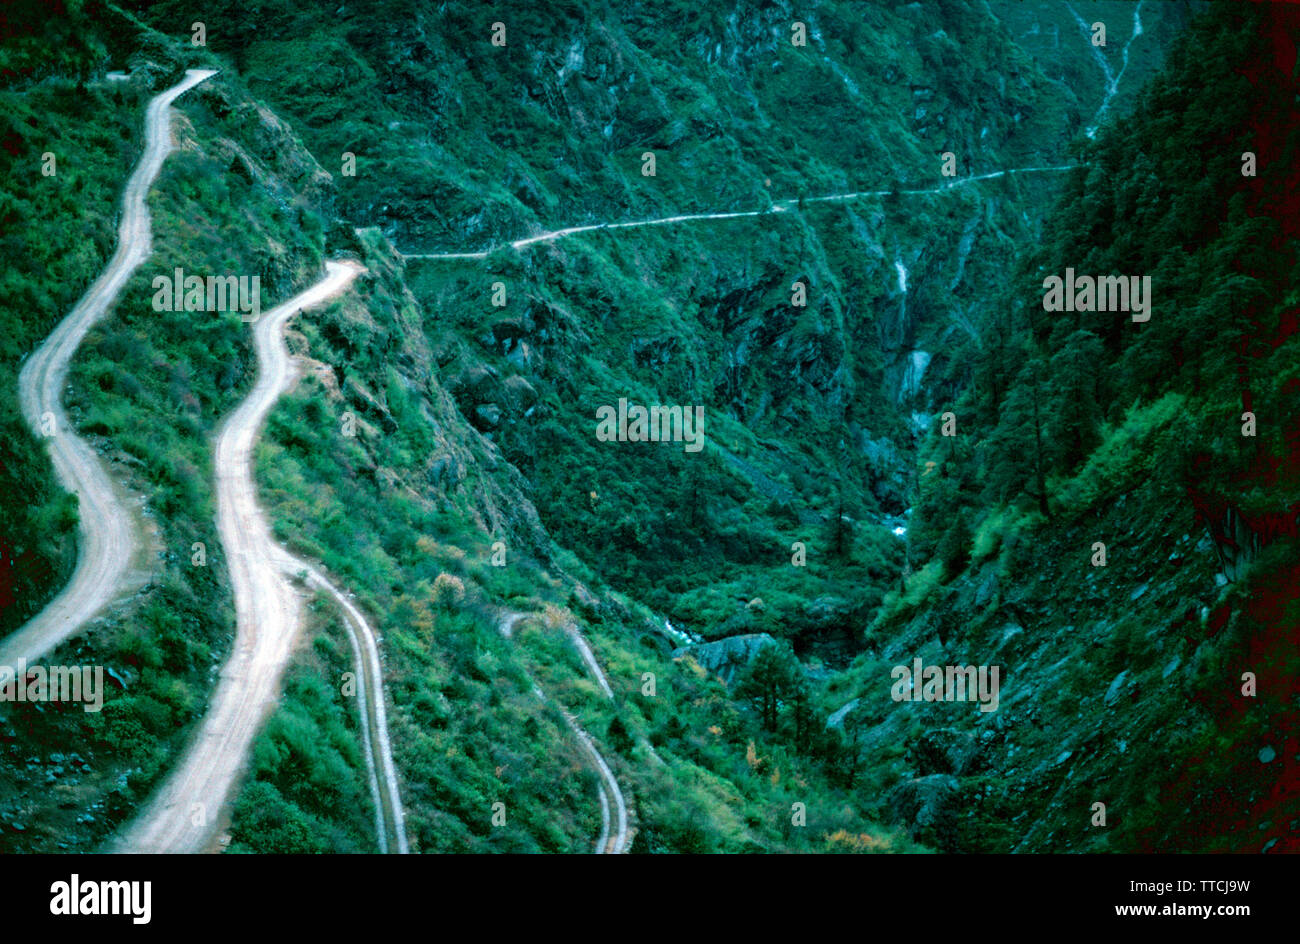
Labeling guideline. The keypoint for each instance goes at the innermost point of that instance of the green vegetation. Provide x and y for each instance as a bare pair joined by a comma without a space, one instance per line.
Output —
438,456
93,134
1091,428
307,790
147,388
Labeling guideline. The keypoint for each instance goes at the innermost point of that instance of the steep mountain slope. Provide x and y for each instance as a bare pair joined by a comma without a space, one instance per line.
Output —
146,388
440,457
1155,674
483,143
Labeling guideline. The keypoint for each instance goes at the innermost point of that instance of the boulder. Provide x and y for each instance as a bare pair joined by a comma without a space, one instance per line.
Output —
519,394
726,657
487,416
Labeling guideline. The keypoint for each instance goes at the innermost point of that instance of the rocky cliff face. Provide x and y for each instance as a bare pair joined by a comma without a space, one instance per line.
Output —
726,657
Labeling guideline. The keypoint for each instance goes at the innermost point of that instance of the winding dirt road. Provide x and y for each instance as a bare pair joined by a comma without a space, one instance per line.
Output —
589,658
611,841
108,536
190,804
390,822
186,810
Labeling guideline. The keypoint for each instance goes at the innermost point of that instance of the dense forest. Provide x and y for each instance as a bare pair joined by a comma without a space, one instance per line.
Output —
909,456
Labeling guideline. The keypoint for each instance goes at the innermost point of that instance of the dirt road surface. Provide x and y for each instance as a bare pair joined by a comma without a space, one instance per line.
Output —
613,842
108,535
390,822
184,812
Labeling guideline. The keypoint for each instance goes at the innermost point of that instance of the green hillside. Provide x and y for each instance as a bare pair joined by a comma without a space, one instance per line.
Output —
440,458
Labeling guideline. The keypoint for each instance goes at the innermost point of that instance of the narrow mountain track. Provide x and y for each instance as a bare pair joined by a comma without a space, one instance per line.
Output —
108,534
589,658
193,800
191,803
781,206
614,830
185,812
390,824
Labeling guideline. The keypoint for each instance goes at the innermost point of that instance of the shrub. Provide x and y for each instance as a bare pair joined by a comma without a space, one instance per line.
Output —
1124,456
448,591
